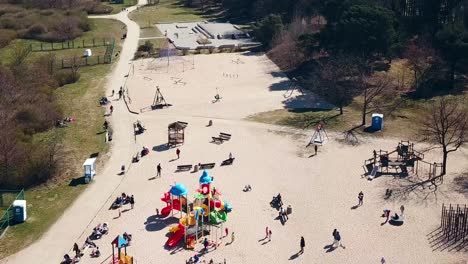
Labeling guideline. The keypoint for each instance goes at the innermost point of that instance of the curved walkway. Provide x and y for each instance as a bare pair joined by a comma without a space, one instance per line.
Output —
51,247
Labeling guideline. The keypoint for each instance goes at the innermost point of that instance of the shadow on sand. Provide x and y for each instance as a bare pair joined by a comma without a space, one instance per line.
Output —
155,223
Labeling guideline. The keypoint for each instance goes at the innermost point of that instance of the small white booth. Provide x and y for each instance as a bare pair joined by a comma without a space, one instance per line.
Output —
89,169
87,53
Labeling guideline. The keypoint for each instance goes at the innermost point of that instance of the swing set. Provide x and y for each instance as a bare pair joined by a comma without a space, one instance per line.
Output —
320,137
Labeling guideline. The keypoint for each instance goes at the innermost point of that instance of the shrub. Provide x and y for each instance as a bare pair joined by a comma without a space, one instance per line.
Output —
35,31
6,36
8,23
64,77
148,47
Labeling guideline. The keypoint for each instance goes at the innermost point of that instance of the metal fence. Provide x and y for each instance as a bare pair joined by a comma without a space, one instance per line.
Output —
91,60
7,197
72,44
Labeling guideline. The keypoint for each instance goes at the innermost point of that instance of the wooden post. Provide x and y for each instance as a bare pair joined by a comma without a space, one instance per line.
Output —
83,44
94,45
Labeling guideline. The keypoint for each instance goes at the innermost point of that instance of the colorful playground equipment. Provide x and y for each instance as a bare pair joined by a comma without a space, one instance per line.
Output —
204,216
400,159
121,257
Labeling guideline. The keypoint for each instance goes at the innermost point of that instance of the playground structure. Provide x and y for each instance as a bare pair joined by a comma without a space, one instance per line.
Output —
121,257
320,136
176,133
204,216
401,159
453,227
170,58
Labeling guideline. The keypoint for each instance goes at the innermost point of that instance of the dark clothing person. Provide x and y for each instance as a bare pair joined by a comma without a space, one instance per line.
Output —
132,201
302,244
158,168
315,148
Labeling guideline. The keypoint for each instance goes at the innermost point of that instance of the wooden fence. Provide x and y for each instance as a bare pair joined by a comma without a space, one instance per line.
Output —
86,61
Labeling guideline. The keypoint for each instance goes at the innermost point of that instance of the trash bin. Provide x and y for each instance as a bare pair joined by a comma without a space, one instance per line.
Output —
289,210
19,211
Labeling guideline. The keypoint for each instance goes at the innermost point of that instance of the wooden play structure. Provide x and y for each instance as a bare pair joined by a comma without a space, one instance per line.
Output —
176,133
453,229
159,101
403,160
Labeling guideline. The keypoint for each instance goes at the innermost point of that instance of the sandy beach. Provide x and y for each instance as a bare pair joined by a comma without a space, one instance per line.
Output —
321,189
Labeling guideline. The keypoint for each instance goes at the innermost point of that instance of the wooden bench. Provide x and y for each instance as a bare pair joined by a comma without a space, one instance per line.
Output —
217,140
228,162
184,167
207,166
225,136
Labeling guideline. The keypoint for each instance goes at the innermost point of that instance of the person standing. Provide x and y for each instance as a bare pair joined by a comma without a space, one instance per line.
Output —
157,211
302,244
316,149
178,153
158,168
334,237
232,237
266,232
360,198
205,244
112,93
230,156
132,201
111,109
226,231
269,235
402,209
338,239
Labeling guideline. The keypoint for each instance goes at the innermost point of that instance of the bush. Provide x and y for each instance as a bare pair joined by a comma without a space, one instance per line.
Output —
35,31
148,47
65,77
96,8
6,36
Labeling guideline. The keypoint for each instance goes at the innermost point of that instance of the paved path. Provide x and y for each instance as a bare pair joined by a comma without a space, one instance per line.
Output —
56,242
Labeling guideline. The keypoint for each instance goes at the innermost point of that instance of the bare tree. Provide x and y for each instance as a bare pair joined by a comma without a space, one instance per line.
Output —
420,57
446,126
335,80
75,67
373,88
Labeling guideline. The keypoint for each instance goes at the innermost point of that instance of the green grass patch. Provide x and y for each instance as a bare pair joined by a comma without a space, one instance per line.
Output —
116,8
100,29
165,12
401,123
46,203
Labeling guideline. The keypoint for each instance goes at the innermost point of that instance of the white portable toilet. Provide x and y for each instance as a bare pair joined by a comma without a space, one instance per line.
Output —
89,169
87,53
19,211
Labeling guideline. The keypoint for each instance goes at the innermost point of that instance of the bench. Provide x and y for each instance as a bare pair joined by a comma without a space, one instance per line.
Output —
207,166
184,167
227,162
217,140
225,136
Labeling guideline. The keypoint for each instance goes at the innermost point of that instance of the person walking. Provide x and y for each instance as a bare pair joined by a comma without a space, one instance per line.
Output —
157,211
338,239
112,93
132,201
226,231
111,109
360,198
178,153
158,168
402,209
266,232
302,244
315,148
334,237
232,237
269,235
205,244
230,156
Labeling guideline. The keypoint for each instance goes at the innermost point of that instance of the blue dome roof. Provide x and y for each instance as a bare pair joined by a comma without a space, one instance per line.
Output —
205,178
178,190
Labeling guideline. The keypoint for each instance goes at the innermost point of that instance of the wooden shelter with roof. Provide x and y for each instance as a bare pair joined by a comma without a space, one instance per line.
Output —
176,133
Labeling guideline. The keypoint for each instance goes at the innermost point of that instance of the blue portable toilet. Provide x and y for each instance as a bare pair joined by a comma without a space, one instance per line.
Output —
19,211
377,122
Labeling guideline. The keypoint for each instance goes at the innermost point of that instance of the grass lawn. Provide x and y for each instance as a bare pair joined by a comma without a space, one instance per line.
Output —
100,29
402,123
166,11
157,43
47,202
116,8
